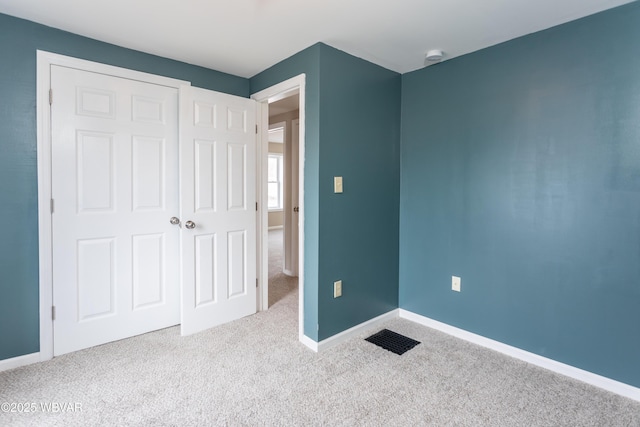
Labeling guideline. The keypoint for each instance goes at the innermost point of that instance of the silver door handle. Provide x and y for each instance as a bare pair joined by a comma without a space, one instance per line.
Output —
190,225
174,220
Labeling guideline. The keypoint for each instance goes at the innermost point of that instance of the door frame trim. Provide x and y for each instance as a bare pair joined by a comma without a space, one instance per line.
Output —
44,62
271,94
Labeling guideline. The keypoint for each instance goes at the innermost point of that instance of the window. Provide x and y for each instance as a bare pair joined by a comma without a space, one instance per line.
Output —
275,175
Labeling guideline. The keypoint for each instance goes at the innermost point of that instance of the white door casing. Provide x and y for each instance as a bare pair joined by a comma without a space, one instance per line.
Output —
218,198
114,184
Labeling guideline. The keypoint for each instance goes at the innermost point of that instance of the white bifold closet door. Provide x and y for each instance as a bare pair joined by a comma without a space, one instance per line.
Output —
115,184
119,173
218,190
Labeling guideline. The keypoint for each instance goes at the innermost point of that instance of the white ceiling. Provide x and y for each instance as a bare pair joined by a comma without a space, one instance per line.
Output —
244,37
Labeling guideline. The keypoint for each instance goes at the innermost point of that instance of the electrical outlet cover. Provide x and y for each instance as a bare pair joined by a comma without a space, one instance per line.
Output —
455,283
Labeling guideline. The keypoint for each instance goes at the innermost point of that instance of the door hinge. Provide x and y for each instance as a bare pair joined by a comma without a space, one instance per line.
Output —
256,206
53,312
50,96
256,129
52,205
256,282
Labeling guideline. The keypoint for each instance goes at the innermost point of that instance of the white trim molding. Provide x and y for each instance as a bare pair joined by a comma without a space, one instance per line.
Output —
16,362
349,333
605,383
309,343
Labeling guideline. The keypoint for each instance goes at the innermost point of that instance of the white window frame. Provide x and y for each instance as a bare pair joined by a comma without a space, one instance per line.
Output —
280,182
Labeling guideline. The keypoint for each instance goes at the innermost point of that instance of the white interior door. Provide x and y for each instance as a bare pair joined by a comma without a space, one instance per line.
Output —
295,193
114,186
218,208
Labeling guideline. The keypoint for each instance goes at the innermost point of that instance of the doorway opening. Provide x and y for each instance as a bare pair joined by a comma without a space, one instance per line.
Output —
282,106
282,196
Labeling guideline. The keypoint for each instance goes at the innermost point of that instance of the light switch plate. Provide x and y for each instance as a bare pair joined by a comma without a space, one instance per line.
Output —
337,184
337,289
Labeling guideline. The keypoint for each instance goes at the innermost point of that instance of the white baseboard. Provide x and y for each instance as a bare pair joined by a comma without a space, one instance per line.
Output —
596,380
16,362
309,343
356,330
608,384
276,227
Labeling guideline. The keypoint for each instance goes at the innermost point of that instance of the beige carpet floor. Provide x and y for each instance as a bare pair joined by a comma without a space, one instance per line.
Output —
254,372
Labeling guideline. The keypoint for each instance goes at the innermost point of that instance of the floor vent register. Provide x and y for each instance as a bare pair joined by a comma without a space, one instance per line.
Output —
392,341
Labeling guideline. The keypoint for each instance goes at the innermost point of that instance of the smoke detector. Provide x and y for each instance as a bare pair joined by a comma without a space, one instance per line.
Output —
434,55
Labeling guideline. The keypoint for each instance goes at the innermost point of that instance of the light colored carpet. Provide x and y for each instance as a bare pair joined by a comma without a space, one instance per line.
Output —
280,285
255,372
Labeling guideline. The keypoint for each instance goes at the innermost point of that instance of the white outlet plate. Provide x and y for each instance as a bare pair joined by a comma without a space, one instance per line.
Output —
337,289
337,184
455,283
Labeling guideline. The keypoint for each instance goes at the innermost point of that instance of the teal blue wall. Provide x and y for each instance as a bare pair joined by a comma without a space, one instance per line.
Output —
352,130
360,141
19,39
520,172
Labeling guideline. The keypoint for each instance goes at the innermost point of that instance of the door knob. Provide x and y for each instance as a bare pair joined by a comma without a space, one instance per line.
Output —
174,220
190,225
